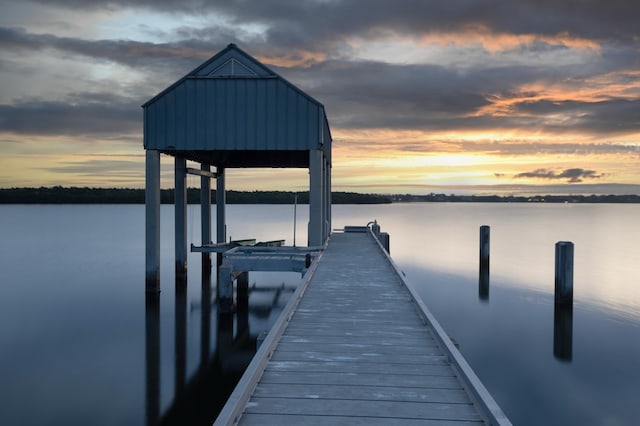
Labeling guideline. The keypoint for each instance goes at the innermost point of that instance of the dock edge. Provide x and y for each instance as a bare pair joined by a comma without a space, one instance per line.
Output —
234,407
479,395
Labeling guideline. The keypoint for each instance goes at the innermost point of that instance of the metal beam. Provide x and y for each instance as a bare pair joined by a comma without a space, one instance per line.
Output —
203,173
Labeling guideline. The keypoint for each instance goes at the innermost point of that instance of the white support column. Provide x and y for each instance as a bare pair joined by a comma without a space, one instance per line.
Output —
152,219
205,214
315,198
221,200
327,200
180,193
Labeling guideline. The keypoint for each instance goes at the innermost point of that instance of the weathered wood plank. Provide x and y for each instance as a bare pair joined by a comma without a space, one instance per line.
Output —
354,379
283,419
361,367
359,348
395,342
351,408
383,393
354,357
357,351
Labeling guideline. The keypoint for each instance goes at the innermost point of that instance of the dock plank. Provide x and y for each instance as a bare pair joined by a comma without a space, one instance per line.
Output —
309,420
352,408
355,351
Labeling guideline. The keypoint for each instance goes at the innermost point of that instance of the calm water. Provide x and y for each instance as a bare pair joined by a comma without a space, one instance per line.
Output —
74,347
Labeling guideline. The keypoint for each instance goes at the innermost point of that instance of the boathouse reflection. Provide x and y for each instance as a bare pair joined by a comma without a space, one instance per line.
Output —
198,399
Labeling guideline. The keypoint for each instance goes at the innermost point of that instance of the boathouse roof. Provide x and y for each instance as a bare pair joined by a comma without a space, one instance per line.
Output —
232,111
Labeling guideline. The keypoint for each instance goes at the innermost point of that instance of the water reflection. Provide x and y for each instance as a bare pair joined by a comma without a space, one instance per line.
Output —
199,397
180,333
152,349
563,331
483,285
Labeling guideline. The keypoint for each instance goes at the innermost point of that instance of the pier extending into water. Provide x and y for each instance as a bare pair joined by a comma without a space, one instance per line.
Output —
356,345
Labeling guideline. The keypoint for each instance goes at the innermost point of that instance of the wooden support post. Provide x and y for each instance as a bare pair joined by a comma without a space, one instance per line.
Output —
225,288
205,216
564,272
180,194
221,200
384,240
316,205
242,291
483,287
152,225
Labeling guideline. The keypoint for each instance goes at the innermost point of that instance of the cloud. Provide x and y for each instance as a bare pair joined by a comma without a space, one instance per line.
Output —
84,114
320,21
574,175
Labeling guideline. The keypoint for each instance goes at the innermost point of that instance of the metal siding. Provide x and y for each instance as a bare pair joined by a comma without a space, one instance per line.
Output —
292,122
271,135
155,113
234,114
191,140
252,108
200,114
261,113
170,120
179,117
211,102
312,130
221,111
230,125
149,125
303,124
240,117
281,116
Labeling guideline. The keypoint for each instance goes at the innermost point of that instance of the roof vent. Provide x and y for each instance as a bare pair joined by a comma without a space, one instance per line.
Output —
232,68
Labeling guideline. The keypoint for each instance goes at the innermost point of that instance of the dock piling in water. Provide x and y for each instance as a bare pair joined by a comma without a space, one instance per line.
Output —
483,288
564,272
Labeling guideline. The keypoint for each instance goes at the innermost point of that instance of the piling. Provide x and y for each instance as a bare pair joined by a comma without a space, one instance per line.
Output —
483,286
225,287
242,292
564,272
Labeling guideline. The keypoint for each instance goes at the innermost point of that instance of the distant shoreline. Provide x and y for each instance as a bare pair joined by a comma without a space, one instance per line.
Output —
76,195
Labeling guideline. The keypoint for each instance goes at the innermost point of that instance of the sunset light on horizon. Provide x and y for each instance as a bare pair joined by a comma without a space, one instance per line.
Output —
488,97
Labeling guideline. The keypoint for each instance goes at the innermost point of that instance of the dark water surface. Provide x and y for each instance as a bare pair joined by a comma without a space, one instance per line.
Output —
75,334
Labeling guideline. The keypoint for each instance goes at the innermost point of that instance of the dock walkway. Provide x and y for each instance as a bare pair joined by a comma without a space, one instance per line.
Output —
358,348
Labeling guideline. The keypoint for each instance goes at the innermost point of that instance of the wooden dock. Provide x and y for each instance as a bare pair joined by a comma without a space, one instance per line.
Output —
355,345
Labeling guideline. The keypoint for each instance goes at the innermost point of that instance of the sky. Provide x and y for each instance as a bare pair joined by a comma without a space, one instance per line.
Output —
455,96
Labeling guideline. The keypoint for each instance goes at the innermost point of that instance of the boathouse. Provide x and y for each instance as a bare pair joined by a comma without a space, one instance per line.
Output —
231,112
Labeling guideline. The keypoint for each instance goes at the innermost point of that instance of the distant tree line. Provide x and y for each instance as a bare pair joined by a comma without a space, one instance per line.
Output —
443,198
75,195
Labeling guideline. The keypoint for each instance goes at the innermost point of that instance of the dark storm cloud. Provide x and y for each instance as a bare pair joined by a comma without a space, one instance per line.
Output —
573,175
610,116
313,21
185,54
361,94
80,115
